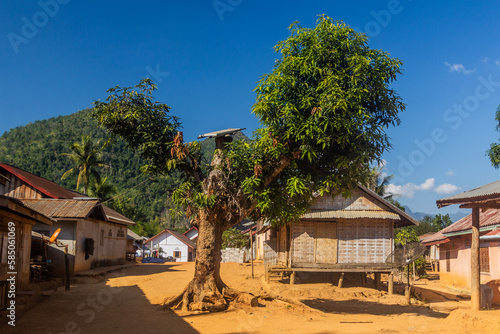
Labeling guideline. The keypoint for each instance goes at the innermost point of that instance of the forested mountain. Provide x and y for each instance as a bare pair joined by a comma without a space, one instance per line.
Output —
37,148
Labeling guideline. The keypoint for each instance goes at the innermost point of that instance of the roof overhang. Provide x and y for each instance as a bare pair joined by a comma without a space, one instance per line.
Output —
14,207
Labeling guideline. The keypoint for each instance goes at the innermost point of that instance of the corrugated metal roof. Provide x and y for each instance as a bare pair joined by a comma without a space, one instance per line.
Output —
45,186
134,236
487,192
62,208
487,218
350,214
434,239
19,208
115,217
495,233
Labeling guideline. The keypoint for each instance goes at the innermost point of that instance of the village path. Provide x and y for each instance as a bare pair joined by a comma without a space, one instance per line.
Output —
127,301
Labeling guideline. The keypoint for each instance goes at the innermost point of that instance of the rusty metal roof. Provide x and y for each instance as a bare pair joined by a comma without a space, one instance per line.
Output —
350,214
487,218
62,208
45,186
434,239
487,192
115,217
17,207
492,235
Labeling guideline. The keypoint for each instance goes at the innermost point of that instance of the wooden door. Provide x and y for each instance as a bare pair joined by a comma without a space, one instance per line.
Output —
326,243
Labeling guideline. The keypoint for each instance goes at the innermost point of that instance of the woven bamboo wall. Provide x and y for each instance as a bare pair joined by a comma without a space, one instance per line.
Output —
270,251
364,241
303,234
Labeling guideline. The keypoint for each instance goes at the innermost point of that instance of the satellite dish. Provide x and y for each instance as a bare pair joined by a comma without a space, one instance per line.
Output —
405,255
54,236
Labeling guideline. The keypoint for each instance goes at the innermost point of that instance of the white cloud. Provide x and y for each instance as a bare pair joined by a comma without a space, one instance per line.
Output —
427,185
408,190
485,60
497,62
446,188
460,68
450,172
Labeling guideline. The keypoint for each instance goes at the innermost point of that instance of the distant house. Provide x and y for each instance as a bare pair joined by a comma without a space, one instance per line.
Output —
172,243
192,233
454,244
95,234
338,234
16,222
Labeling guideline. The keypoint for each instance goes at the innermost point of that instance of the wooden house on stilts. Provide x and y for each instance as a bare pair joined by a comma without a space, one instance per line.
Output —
339,235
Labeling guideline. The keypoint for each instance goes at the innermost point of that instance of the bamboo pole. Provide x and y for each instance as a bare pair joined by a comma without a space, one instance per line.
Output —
475,270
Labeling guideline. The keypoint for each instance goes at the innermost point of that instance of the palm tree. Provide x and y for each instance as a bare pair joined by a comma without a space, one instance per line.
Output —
86,157
378,182
101,189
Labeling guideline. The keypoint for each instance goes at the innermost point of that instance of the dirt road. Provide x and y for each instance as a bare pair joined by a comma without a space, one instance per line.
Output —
128,301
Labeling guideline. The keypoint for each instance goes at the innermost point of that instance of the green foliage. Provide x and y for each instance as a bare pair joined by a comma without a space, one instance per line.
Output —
37,148
405,236
327,101
323,110
432,224
494,151
232,238
86,158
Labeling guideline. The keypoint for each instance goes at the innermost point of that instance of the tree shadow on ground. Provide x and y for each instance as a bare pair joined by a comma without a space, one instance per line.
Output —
98,308
353,306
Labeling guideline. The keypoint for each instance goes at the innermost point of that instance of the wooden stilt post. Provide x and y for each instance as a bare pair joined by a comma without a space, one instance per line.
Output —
475,270
267,273
363,278
377,281
390,284
292,277
341,280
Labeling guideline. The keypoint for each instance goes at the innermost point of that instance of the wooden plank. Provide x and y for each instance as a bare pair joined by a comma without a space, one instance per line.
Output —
475,270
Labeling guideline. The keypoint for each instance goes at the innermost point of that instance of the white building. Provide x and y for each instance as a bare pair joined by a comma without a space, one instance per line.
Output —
172,243
192,233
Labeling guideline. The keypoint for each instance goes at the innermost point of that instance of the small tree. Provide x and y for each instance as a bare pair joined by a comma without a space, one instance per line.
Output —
323,111
232,238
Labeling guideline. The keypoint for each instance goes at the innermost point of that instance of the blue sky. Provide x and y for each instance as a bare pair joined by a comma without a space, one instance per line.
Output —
57,56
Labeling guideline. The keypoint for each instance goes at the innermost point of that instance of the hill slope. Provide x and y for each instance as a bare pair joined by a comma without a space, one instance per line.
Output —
37,148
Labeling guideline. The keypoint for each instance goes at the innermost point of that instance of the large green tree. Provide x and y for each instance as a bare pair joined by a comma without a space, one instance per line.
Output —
323,112
87,159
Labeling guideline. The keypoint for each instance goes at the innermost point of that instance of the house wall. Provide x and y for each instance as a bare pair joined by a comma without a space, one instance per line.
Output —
16,188
110,251
169,244
22,250
66,237
353,241
459,274
110,242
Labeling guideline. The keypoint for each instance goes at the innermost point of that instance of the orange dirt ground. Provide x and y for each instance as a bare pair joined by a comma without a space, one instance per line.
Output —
127,301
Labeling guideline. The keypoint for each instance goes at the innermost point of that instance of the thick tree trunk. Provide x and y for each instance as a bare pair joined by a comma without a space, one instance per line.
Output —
206,292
